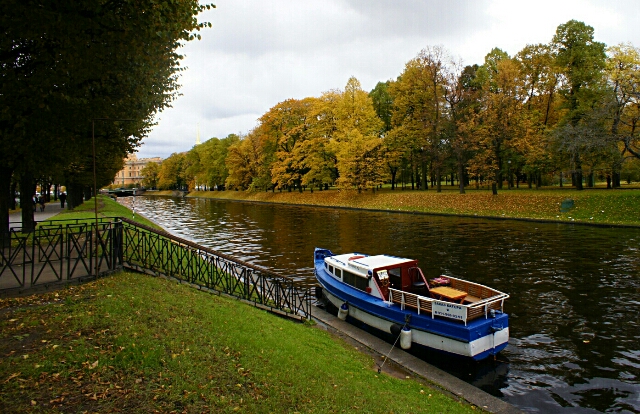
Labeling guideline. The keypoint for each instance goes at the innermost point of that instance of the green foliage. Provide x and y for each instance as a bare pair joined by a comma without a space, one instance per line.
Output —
150,174
71,69
172,173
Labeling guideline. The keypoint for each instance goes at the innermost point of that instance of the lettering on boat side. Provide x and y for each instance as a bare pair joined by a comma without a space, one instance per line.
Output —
357,267
449,310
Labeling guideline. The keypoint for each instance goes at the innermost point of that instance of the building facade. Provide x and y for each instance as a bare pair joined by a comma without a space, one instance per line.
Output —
130,173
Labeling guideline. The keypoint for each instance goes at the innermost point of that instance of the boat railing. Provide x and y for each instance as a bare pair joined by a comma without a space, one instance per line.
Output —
458,311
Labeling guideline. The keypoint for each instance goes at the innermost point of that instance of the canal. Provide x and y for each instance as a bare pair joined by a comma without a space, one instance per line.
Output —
575,290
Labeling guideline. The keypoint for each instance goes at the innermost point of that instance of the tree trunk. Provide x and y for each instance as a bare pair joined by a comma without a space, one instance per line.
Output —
5,195
394,171
578,175
413,185
461,177
494,188
74,196
27,191
423,180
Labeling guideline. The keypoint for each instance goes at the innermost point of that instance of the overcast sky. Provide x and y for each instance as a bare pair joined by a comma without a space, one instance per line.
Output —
259,53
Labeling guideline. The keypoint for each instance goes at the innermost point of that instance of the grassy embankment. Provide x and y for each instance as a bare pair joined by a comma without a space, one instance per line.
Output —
597,206
107,207
134,343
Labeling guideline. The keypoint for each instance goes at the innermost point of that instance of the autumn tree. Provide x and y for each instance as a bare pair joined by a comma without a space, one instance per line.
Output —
212,156
461,93
319,152
287,124
419,106
150,174
623,79
501,121
249,161
581,61
383,105
542,104
172,172
356,141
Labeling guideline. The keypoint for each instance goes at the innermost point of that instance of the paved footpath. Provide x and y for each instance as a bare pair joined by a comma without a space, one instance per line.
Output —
50,210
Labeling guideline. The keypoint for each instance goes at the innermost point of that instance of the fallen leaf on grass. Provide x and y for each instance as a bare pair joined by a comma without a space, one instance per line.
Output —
12,376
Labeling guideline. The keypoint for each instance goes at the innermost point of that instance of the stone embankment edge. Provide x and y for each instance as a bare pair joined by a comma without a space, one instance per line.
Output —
424,213
442,379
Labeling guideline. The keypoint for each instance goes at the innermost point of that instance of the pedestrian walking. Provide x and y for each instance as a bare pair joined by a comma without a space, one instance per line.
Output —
42,201
63,198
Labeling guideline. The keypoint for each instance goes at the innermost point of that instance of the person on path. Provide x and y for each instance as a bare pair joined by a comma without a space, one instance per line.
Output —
63,198
42,201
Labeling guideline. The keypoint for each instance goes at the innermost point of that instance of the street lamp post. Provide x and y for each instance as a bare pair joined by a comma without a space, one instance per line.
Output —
95,185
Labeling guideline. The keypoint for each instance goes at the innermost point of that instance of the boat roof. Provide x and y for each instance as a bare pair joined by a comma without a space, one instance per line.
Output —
369,262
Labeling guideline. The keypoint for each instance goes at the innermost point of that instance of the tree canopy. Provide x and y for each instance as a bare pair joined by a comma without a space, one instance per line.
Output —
69,65
568,109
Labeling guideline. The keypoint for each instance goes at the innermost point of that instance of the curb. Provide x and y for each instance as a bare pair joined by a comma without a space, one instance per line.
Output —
448,382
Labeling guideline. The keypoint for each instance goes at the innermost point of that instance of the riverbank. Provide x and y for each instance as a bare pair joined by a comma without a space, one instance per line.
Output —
112,349
592,206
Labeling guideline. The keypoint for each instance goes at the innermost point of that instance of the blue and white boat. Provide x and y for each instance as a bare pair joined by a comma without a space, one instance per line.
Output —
391,294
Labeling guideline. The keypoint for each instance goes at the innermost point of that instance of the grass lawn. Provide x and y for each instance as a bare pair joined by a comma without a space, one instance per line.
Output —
107,207
134,343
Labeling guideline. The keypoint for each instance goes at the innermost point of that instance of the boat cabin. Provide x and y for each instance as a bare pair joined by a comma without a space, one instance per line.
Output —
376,274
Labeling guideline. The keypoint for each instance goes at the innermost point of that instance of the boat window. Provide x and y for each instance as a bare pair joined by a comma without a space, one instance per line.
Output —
339,273
330,269
395,278
354,280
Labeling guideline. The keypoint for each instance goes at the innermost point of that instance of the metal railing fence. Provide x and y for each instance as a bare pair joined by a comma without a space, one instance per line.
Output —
60,252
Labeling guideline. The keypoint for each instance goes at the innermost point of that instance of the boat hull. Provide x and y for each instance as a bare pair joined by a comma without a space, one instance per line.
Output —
477,340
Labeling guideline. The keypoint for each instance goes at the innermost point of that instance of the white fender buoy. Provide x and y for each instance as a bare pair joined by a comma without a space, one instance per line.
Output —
344,311
405,338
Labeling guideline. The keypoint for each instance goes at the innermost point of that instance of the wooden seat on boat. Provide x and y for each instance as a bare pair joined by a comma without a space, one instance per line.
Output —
471,299
448,294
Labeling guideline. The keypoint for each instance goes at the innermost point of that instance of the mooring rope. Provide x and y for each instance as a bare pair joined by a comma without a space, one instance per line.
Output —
393,346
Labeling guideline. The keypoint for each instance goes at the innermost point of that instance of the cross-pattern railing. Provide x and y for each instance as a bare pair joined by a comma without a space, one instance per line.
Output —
63,252
159,253
58,252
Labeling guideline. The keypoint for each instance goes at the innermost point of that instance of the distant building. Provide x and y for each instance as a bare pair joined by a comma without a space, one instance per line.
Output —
130,173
